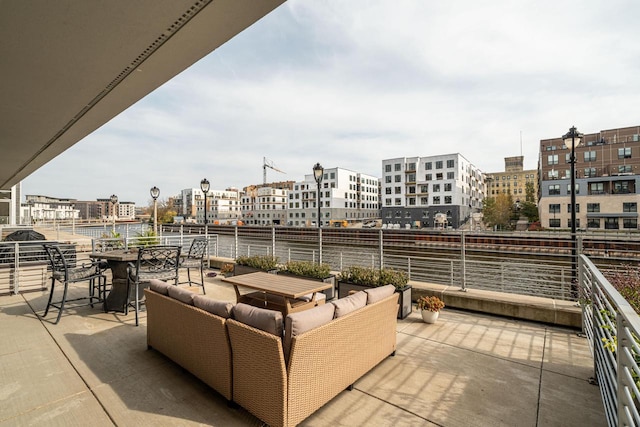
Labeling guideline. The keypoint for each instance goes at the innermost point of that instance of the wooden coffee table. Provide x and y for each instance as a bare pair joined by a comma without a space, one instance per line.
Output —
277,292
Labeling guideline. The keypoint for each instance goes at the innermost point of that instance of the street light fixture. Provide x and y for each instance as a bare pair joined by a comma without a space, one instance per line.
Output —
155,192
571,140
318,172
114,201
204,186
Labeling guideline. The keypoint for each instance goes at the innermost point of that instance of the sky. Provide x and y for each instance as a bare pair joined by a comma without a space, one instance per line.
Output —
350,83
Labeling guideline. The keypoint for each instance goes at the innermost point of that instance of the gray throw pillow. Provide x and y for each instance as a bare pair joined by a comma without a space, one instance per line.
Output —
266,320
181,294
219,308
351,303
159,286
303,321
376,294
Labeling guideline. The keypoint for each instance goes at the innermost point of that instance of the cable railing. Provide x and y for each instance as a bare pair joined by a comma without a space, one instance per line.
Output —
613,329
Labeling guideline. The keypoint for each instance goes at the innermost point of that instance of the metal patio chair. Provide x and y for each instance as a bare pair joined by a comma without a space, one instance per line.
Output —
195,259
154,262
65,271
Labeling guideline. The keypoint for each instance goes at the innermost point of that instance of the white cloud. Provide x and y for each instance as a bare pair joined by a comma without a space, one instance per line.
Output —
351,83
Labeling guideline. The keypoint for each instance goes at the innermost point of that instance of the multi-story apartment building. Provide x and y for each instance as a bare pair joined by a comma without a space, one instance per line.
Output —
10,209
344,195
126,211
188,204
265,204
607,181
223,206
45,208
419,191
513,180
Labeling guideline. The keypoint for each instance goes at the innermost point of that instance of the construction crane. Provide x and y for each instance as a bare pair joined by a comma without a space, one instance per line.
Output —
266,163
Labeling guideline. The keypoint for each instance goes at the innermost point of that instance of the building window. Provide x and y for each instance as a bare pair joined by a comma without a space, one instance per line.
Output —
387,168
450,164
398,190
569,189
593,222
450,175
428,166
621,187
588,172
388,213
596,188
412,190
411,177
554,222
439,164
411,166
630,223
447,187
397,178
554,190
552,159
412,201
624,153
611,224
427,177
387,179
436,188
424,200
569,207
436,200
398,202
593,207
424,188
625,169
577,223
397,167
554,208
387,190
553,174
589,156
630,207
447,200
439,176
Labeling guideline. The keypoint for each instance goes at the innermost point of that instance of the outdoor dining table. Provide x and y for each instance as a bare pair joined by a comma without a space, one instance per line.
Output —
277,292
118,261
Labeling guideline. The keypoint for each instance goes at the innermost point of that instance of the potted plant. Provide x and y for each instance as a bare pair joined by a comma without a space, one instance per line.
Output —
253,263
430,308
357,278
227,269
311,271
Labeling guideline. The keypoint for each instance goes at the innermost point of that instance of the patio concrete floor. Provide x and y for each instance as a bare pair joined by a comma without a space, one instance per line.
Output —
468,369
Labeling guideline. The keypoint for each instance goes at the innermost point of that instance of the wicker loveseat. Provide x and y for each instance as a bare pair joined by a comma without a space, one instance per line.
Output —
281,380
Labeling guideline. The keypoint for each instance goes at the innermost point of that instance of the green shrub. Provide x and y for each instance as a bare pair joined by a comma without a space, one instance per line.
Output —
307,268
262,262
374,276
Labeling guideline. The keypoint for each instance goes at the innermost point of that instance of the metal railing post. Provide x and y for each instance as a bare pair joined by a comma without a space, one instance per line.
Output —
16,268
409,267
235,242
273,240
464,262
381,249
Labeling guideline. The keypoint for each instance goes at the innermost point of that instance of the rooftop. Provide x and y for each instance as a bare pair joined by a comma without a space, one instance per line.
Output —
93,368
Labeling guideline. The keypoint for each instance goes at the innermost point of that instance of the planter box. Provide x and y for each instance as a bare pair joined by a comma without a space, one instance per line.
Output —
245,269
404,300
330,293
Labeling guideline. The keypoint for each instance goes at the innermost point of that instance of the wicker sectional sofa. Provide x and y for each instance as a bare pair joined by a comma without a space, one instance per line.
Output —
280,378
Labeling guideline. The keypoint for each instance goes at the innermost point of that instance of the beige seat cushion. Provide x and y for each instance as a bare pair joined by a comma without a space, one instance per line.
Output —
219,308
266,320
303,321
381,292
351,303
159,286
181,294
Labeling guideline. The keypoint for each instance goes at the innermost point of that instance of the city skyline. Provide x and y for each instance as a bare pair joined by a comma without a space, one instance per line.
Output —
349,85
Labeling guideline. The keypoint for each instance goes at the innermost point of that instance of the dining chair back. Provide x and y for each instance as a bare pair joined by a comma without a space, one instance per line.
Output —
195,259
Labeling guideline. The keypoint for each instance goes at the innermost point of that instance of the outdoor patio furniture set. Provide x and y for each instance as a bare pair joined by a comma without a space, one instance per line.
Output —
279,368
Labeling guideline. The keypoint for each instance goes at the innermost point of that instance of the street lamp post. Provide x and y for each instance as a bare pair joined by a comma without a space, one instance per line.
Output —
204,186
318,171
114,201
571,141
155,192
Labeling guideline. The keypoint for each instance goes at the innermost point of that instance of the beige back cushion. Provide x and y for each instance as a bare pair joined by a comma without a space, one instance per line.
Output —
159,286
351,303
381,292
219,308
181,294
266,320
303,321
